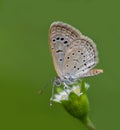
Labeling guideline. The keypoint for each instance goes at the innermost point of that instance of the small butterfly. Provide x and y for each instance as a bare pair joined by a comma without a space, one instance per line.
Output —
74,55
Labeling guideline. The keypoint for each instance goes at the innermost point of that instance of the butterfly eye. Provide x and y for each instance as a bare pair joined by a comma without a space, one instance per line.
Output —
57,81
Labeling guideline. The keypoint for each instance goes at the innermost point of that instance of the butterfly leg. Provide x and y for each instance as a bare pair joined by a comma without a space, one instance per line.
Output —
56,82
65,87
51,99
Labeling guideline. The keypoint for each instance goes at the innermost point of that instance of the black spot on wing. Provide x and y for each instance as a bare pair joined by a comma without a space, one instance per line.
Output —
58,51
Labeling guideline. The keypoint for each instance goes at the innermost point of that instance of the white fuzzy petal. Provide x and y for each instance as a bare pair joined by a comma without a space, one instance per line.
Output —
87,85
63,95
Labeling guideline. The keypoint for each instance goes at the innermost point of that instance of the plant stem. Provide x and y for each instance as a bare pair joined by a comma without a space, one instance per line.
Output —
87,122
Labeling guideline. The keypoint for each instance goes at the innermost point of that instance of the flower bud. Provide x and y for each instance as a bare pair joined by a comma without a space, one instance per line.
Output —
75,102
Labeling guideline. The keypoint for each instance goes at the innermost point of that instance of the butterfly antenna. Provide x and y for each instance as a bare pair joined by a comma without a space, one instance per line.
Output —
43,88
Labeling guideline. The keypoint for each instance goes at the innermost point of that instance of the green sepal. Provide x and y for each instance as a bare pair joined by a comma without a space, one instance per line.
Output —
83,88
77,106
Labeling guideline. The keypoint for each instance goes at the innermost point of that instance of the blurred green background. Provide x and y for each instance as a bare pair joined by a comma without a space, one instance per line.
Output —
26,66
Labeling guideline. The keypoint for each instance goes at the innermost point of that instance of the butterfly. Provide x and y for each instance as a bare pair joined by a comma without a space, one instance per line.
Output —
74,55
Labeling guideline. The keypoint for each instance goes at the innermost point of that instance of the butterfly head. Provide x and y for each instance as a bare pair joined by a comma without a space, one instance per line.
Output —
57,81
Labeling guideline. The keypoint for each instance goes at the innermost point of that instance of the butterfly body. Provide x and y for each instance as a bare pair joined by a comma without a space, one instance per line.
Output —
74,55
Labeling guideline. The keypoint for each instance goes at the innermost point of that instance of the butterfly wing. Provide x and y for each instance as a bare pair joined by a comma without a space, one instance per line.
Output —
61,36
80,58
91,72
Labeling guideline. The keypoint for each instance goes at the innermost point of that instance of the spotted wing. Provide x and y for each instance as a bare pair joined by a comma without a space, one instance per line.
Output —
80,58
61,36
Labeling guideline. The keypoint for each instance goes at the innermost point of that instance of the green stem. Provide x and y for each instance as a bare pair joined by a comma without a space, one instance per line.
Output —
87,122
